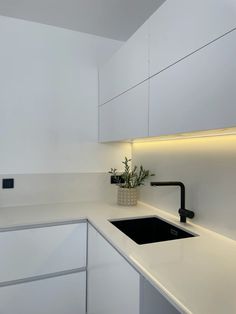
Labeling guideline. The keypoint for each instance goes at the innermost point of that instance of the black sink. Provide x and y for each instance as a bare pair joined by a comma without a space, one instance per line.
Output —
150,230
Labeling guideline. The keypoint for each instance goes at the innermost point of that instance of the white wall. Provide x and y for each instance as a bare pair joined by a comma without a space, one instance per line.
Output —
207,166
33,189
48,100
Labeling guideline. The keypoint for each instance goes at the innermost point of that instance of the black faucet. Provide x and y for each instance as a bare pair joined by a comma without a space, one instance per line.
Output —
183,212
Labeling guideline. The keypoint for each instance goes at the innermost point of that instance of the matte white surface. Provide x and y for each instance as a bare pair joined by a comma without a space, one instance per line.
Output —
59,188
113,285
127,67
198,93
126,116
49,98
184,271
180,27
59,295
152,302
39,251
206,166
114,19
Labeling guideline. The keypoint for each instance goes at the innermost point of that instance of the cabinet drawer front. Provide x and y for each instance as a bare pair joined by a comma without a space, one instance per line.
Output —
178,28
198,93
38,251
59,295
126,116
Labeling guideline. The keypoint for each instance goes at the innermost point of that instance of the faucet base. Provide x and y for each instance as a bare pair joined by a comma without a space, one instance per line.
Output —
183,219
185,213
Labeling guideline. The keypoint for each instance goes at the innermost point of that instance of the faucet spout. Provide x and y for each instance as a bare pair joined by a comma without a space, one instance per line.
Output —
183,212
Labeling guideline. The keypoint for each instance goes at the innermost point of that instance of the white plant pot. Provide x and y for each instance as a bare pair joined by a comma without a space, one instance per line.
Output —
127,197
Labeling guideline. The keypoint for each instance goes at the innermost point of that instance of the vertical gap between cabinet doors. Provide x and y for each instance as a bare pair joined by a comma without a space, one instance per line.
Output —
148,107
149,73
86,283
98,106
141,293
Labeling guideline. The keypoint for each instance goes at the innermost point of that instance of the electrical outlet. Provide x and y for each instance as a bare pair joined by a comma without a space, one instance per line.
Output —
117,179
8,183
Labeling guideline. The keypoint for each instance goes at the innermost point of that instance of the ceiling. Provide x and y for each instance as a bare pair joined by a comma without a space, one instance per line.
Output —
117,19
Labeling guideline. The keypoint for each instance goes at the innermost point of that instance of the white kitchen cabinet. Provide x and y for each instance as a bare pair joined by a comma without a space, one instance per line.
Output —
152,302
113,285
127,67
39,251
197,93
59,295
178,28
126,116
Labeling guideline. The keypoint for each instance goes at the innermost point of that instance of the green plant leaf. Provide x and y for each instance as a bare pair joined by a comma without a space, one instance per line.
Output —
132,177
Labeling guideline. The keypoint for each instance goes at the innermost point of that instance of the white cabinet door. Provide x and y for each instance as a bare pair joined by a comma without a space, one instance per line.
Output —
197,93
113,285
39,251
180,27
127,67
59,295
126,116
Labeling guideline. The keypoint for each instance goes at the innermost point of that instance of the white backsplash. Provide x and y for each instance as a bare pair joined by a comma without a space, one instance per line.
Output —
33,189
207,166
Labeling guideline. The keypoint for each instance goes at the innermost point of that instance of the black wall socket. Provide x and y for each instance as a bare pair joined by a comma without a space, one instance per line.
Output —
8,183
117,179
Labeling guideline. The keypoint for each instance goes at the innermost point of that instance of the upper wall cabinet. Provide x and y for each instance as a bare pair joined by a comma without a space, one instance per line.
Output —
127,67
179,28
197,93
126,116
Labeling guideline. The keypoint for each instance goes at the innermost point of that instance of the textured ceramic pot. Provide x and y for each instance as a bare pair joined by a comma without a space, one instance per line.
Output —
127,197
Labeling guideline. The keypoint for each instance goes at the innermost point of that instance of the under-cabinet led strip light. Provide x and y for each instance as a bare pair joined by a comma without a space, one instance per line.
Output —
209,133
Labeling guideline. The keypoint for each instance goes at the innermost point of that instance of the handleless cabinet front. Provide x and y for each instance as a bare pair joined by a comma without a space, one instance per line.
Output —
179,28
59,295
198,93
40,251
125,117
113,285
43,270
127,67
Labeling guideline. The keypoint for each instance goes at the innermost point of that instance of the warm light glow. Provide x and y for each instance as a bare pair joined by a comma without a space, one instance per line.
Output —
180,136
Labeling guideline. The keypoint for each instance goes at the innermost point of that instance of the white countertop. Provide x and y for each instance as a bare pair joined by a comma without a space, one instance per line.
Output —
197,275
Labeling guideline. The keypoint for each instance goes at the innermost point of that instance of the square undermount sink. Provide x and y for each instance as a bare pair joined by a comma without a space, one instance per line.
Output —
150,230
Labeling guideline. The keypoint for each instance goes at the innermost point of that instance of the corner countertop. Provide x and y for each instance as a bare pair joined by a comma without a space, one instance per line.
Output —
197,275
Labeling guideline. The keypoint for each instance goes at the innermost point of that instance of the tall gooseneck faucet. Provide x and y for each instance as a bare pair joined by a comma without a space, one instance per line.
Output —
183,212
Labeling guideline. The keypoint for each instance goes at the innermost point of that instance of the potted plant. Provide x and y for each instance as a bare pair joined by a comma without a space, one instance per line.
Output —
128,181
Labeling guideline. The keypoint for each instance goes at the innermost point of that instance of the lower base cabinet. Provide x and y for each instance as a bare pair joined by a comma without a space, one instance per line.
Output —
110,286
42,270
113,285
59,295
